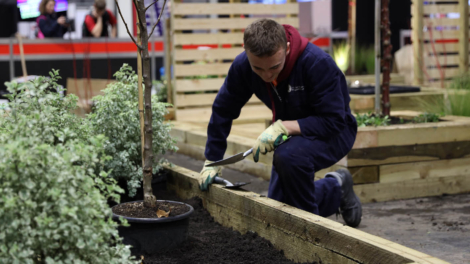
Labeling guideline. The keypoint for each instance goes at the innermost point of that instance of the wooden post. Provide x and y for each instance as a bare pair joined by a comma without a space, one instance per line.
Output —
23,61
463,36
141,91
386,58
352,36
172,56
167,47
417,40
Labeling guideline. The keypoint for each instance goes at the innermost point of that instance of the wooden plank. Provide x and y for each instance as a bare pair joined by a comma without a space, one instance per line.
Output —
409,153
210,54
410,134
379,192
224,23
408,101
394,78
207,38
463,36
424,170
431,61
435,22
260,112
302,236
443,72
440,48
440,9
199,84
203,99
182,70
417,36
234,9
442,34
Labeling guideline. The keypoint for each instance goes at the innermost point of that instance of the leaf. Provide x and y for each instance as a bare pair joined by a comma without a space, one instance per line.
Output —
161,213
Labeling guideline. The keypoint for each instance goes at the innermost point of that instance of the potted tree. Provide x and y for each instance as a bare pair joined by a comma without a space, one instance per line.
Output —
155,225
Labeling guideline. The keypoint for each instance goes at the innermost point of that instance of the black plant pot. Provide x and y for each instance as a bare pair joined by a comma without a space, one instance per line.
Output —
153,235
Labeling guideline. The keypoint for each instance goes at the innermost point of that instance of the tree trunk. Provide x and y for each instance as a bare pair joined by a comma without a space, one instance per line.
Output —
149,198
386,58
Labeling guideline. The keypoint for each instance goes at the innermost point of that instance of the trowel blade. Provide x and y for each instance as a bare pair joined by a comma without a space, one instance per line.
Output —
235,158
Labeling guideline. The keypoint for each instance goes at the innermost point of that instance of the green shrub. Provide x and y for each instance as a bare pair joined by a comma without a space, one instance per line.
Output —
53,207
41,97
116,115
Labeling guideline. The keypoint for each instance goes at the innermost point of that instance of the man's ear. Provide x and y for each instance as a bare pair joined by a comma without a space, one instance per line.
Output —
288,48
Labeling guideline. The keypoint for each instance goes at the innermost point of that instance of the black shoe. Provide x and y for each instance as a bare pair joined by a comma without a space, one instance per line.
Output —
350,207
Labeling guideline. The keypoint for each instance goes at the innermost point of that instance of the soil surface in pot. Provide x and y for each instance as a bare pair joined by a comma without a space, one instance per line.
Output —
137,210
209,242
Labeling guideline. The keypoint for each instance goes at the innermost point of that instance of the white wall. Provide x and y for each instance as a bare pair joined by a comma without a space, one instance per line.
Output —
126,10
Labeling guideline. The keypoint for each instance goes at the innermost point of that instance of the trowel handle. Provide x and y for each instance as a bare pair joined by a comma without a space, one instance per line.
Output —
221,180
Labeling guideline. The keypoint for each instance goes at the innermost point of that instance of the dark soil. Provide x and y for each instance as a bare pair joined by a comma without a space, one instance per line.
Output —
209,242
138,210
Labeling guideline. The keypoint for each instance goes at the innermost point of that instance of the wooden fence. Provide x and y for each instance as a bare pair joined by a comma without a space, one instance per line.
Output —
440,40
204,40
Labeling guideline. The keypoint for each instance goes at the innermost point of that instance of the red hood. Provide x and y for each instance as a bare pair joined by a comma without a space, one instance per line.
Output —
297,46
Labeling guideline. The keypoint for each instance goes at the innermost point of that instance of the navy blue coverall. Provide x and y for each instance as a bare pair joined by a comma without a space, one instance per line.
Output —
316,95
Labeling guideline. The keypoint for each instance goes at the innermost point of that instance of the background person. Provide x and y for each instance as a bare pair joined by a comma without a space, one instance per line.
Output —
49,25
96,23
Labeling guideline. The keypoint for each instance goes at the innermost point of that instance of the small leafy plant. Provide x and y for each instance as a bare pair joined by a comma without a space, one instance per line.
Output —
369,119
115,114
427,118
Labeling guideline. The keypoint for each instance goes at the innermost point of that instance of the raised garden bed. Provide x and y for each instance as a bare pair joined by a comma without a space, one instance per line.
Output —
301,236
388,163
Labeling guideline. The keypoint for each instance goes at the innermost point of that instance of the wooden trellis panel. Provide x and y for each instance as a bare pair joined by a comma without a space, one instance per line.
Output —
440,40
203,41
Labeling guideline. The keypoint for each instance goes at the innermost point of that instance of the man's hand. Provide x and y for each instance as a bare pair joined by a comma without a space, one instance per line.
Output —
207,175
269,139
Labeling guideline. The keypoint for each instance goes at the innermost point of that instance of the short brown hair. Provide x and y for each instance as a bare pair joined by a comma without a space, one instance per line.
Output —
264,37
42,6
100,5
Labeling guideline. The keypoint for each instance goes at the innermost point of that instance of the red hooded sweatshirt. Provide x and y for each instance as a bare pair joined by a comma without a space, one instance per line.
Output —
297,46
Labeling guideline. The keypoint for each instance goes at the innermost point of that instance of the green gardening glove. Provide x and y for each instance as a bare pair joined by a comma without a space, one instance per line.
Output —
206,177
269,139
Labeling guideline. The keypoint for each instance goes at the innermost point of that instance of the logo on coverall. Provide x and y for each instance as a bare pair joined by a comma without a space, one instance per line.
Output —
295,88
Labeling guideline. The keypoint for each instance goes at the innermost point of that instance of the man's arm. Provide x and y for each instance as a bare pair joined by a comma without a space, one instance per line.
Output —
113,31
98,28
326,98
227,106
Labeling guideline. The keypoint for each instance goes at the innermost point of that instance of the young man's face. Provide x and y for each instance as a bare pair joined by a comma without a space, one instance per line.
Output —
268,68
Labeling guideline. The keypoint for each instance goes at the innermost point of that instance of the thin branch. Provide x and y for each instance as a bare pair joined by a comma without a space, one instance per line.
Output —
141,25
150,5
158,20
128,32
